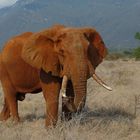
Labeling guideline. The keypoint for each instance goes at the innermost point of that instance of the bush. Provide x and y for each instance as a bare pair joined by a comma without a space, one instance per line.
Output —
128,53
136,53
137,35
114,56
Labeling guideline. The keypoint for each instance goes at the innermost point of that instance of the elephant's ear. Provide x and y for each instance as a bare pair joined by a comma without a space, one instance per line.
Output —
38,51
96,49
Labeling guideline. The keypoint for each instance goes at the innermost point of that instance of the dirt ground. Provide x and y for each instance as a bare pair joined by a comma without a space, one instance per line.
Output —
107,115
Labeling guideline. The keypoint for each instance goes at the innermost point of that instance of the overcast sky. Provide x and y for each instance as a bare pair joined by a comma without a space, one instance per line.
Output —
4,3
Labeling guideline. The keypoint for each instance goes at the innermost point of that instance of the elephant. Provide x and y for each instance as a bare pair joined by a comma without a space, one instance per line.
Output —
76,52
55,59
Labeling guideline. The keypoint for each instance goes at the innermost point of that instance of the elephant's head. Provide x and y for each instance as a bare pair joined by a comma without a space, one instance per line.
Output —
72,53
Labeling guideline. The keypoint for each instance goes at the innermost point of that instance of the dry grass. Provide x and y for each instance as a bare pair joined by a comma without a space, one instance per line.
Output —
107,115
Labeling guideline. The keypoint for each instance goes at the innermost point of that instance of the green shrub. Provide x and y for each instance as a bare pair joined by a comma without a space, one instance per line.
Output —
114,56
136,53
128,52
137,35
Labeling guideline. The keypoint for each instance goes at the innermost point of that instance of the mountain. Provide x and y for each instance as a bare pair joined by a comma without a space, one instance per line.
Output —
116,21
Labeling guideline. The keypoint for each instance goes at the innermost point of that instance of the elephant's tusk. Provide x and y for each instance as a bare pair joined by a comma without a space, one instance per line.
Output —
64,86
99,81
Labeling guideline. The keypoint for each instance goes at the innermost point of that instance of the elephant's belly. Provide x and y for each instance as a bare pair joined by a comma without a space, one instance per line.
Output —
25,86
25,80
28,88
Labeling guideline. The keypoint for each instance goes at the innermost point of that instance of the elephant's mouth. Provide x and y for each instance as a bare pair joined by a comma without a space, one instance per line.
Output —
95,77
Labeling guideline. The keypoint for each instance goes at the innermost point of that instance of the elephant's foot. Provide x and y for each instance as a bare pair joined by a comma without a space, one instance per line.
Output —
5,113
51,123
15,119
4,116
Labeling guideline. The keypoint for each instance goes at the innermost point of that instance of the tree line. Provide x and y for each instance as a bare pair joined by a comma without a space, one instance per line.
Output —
129,53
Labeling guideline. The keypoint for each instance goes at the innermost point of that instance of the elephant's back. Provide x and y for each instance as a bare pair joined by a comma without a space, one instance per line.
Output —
12,48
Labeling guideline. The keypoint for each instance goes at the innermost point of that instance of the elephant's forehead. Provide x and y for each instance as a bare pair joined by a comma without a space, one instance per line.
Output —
70,30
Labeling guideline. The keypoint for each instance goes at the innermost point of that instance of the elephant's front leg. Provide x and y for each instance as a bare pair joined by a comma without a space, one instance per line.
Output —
51,89
51,95
68,103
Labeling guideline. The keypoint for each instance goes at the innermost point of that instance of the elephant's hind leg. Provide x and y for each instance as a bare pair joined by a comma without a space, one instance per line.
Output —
5,113
11,101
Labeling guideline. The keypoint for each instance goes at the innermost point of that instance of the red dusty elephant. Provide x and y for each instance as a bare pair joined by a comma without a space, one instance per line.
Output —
32,62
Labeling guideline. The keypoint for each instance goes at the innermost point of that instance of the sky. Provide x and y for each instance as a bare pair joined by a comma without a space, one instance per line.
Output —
4,3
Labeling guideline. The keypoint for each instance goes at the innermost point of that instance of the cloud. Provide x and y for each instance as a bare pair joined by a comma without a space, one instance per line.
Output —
4,3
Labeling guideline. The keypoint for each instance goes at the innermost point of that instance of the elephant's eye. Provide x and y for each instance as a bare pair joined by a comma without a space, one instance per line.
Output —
58,41
61,51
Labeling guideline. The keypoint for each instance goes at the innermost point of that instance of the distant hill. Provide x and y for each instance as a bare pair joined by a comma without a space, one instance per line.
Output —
116,21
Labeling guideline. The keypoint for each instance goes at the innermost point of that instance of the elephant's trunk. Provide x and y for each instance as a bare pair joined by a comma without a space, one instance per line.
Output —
79,80
80,95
